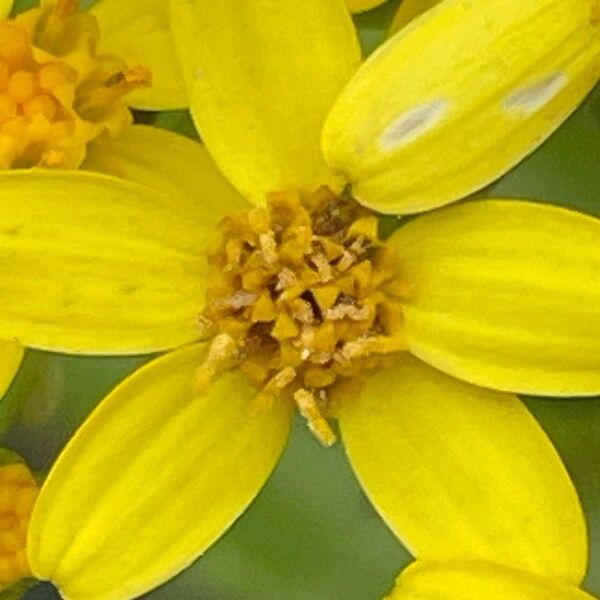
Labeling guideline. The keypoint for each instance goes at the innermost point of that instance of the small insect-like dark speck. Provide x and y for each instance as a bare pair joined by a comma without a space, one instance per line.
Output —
115,79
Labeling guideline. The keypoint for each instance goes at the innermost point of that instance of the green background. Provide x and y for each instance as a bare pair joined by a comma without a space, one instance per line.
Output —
311,533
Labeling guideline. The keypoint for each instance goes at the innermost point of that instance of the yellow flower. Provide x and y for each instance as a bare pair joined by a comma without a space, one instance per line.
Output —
501,294
63,87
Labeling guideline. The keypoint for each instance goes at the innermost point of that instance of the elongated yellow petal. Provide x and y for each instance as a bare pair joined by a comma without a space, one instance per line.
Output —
5,6
11,355
505,294
410,10
260,82
166,161
95,264
458,97
138,31
478,580
358,6
152,479
462,472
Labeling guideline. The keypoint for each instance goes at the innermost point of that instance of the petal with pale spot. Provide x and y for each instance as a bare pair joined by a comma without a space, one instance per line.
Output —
152,479
458,97
96,264
477,580
505,294
461,472
138,31
260,83
11,355
358,6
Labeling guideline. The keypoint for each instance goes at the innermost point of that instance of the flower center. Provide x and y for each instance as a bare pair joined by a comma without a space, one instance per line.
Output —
18,491
56,93
301,301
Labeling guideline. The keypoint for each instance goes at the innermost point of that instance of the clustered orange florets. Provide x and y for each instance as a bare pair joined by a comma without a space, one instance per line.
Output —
56,92
18,491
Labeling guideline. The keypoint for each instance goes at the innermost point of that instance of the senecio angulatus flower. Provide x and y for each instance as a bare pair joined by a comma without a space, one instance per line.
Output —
416,344
65,90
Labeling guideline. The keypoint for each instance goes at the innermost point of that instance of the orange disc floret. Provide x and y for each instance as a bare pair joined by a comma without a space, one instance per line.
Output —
50,74
23,86
18,492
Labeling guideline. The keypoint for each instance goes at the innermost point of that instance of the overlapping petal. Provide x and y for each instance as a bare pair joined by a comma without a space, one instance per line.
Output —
11,355
95,264
168,162
505,294
5,6
460,472
138,30
260,84
458,97
152,479
358,6
408,11
477,580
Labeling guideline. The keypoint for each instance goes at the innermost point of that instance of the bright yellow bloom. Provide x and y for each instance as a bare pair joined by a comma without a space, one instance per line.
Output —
502,294
63,87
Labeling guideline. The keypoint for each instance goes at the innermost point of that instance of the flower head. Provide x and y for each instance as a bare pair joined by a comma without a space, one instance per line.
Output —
463,291
58,94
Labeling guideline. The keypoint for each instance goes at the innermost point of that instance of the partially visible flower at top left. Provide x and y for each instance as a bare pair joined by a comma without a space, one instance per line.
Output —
57,93
67,81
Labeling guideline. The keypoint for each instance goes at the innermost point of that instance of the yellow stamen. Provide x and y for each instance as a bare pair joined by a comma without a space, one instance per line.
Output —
221,353
302,293
309,409
18,491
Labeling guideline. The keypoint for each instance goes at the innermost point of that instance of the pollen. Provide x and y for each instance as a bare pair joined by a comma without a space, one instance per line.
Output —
303,295
18,492
57,95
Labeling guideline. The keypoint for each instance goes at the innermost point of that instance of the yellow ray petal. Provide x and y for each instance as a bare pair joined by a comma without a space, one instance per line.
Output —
152,479
358,6
458,97
11,355
505,294
462,472
95,264
138,31
166,161
478,580
260,83
410,10
5,6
